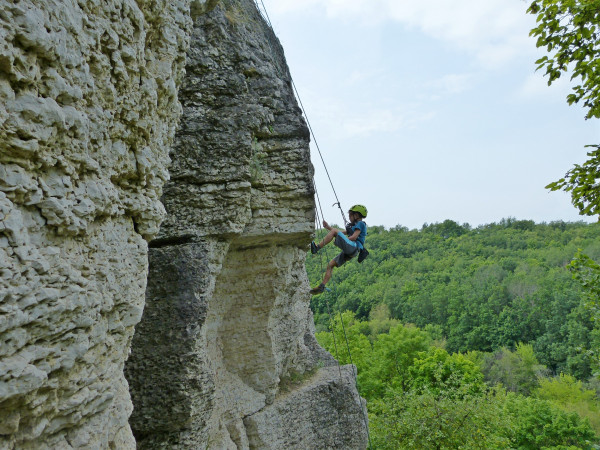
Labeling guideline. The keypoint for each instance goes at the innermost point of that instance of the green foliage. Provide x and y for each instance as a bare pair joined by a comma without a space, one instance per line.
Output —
587,272
569,30
480,289
420,396
445,375
425,420
393,355
346,334
569,394
494,420
517,371
500,300
539,424
446,229
581,182
380,320
384,361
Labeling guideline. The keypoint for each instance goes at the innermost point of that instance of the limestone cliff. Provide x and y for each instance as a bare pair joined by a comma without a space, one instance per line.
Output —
227,325
88,110
225,355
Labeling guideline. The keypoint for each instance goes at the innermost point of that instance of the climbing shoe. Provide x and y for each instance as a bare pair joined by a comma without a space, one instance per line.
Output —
318,290
314,248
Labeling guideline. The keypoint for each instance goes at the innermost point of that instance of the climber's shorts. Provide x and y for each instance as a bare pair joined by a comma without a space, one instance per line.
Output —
349,249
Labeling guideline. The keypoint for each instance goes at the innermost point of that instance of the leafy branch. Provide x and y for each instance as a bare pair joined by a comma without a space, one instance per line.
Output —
582,181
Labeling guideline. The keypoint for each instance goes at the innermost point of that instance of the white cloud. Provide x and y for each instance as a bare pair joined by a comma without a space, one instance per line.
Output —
347,120
373,121
495,31
451,83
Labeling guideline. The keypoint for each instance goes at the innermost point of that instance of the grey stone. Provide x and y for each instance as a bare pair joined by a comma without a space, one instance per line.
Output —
88,113
76,79
227,317
325,412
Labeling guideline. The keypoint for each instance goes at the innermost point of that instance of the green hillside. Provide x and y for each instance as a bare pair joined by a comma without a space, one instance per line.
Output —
478,288
468,338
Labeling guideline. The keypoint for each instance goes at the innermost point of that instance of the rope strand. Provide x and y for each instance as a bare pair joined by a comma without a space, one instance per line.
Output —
319,150
354,372
267,19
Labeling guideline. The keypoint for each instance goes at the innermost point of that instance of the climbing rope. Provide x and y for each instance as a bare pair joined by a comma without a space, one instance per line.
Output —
319,150
267,20
331,328
331,321
337,356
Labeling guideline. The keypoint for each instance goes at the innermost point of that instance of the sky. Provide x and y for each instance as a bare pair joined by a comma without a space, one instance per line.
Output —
431,110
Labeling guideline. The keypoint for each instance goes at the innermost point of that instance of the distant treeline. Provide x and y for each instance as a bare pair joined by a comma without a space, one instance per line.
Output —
477,289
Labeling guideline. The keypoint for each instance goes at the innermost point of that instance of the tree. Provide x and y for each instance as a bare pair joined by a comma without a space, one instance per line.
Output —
569,394
570,31
539,424
346,341
491,287
448,228
517,372
445,375
587,272
452,419
393,355
420,396
581,182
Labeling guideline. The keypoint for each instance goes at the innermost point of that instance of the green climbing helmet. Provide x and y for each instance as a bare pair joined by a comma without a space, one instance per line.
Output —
362,210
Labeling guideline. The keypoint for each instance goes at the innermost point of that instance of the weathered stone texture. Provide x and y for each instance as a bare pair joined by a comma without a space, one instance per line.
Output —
323,411
227,317
88,109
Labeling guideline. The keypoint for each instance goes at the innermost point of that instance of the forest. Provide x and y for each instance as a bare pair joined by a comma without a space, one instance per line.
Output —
468,337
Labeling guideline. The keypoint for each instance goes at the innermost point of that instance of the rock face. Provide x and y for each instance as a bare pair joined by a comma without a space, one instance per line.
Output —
321,413
88,110
225,355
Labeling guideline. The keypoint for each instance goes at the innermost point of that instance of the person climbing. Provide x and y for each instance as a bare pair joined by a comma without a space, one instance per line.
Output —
351,241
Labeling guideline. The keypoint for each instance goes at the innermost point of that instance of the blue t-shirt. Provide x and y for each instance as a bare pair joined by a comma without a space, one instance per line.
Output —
360,240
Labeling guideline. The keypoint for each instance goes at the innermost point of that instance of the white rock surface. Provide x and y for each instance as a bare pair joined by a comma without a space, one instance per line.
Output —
88,109
320,413
227,323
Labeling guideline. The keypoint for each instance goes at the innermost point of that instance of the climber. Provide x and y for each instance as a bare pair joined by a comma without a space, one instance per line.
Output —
351,242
